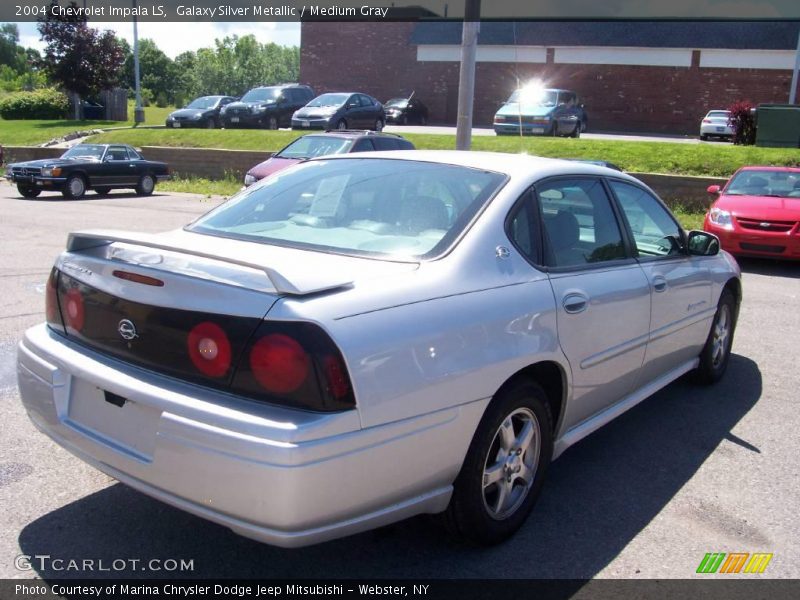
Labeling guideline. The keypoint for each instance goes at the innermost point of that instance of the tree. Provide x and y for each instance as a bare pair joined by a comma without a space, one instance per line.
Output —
81,59
12,55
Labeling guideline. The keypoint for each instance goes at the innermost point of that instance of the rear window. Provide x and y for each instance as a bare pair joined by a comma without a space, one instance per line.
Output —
310,146
723,114
374,207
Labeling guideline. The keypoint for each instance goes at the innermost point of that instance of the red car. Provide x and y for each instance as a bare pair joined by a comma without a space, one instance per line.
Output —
322,144
757,213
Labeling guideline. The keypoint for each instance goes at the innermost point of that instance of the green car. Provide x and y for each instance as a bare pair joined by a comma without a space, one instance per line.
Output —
535,110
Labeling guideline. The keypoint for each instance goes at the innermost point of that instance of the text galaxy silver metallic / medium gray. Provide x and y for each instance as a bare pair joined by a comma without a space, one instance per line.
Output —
462,317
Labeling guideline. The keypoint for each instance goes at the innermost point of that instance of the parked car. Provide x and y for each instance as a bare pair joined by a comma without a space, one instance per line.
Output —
715,124
363,338
757,213
323,144
539,111
345,110
270,107
98,167
406,110
200,112
93,110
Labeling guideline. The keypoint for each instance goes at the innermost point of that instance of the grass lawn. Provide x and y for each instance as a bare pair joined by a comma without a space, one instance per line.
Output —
35,132
638,157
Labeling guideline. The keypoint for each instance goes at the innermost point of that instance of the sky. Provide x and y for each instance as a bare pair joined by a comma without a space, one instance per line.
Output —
174,38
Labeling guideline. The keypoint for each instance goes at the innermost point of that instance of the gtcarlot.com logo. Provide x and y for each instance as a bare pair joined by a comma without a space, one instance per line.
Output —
45,562
734,562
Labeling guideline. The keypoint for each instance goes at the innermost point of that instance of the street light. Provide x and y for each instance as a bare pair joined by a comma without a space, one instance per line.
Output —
466,74
138,111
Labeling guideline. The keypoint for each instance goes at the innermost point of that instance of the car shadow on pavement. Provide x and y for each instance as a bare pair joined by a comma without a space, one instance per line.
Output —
599,495
772,268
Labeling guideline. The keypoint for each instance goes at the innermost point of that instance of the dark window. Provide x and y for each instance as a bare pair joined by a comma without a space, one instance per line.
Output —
385,143
117,153
522,228
655,232
579,223
365,100
363,145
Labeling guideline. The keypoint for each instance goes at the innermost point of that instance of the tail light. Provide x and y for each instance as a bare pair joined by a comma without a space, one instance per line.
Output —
296,364
51,308
706,120
73,306
209,349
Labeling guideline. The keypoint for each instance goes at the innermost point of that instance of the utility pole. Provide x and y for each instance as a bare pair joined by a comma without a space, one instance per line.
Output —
466,75
138,111
793,91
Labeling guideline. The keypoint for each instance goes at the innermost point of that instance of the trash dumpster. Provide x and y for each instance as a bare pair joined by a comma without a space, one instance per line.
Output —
778,126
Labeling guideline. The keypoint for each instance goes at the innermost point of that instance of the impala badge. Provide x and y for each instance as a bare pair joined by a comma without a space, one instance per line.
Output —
127,330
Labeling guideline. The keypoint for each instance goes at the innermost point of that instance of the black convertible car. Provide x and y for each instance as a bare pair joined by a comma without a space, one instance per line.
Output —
99,167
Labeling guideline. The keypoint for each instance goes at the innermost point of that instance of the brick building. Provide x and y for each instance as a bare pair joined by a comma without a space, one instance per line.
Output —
633,76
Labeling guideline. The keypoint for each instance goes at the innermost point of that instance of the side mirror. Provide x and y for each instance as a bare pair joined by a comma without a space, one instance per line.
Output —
713,190
702,243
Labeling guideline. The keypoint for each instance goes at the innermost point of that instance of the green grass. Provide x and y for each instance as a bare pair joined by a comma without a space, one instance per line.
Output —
34,132
689,218
199,185
638,157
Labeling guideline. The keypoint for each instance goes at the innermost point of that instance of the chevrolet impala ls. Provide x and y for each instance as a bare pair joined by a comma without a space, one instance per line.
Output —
362,338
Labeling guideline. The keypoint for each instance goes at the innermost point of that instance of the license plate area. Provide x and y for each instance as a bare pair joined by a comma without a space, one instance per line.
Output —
537,129
176,124
304,123
124,425
234,119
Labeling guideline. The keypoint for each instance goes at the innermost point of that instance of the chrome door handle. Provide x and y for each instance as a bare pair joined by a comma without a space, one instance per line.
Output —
659,283
575,303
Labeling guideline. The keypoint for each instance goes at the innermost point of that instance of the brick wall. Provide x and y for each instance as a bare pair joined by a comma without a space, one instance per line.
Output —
205,162
378,59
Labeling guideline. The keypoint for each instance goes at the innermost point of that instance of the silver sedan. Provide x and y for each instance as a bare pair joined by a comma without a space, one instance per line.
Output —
357,340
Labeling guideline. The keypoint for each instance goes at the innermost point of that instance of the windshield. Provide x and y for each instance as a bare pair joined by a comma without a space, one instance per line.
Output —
534,97
718,114
310,146
765,182
205,102
85,151
262,94
398,102
329,100
357,206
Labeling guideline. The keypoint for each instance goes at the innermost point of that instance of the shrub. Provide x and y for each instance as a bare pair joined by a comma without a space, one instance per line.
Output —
161,100
46,103
147,96
743,122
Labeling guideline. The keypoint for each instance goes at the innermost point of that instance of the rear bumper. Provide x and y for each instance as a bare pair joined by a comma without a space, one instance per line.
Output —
715,130
288,478
759,244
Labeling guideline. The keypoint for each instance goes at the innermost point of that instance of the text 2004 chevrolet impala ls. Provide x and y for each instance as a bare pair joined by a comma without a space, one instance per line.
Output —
356,340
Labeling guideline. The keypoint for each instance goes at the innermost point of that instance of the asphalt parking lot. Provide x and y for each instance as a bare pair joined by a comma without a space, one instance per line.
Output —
689,471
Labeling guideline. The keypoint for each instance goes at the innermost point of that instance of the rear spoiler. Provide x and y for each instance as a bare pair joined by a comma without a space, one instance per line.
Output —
84,240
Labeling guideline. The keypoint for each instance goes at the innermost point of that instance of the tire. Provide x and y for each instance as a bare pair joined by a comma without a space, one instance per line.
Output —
146,185
27,191
405,120
716,353
578,129
704,137
423,120
272,123
342,124
378,125
211,124
488,513
102,191
74,188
